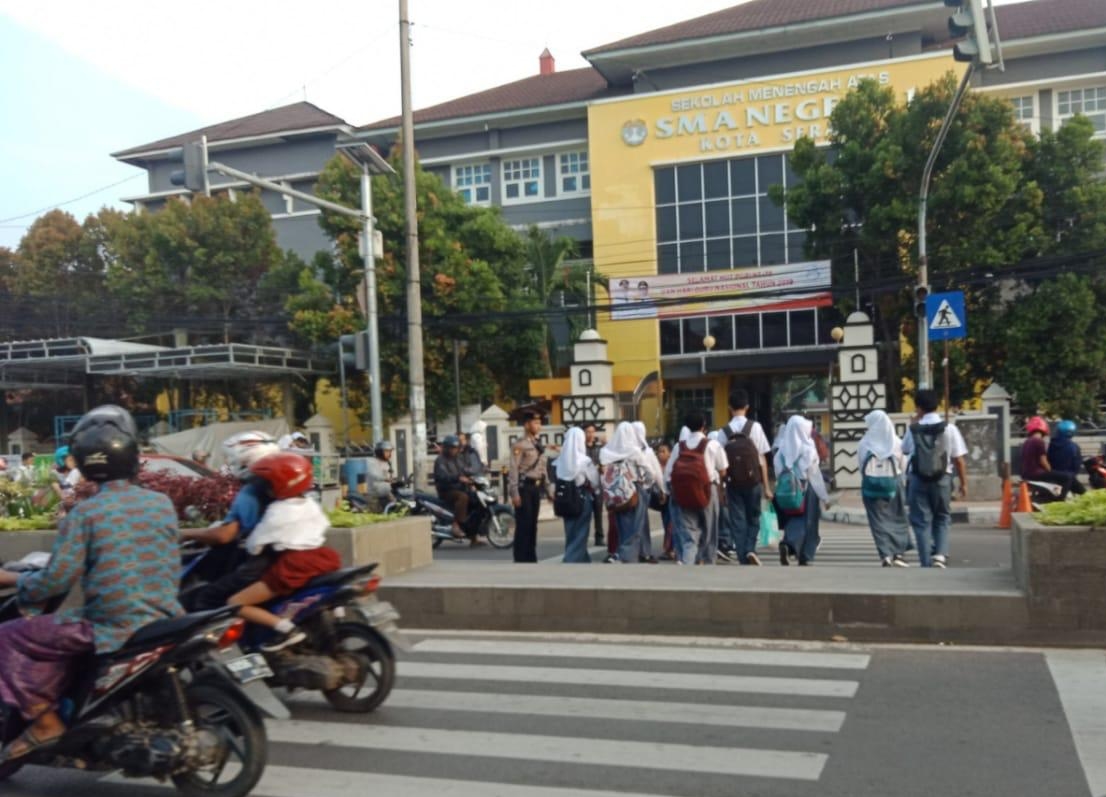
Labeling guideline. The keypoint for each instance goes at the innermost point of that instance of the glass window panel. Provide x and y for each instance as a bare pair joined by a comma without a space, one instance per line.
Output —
743,177
667,263
748,330
771,250
791,175
483,193
718,254
512,190
664,182
691,221
771,215
716,181
718,218
721,327
744,251
802,328
695,329
796,251
466,194
568,184
670,337
691,256
666,224
689,182
769,172
744,214
585,182
532,189
775,329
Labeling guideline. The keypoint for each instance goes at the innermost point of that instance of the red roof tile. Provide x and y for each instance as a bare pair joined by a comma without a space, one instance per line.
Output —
287,118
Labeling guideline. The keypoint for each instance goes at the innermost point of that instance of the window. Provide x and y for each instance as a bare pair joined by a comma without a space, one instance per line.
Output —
1091,102
1025,111
695,398
745,332
474,183
574,173
522,179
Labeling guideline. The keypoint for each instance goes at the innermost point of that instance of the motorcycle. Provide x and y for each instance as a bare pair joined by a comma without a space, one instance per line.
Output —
349,653
487,517
169,705
1096,471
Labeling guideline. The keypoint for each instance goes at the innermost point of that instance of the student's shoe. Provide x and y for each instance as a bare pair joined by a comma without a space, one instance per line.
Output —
783,554
612,559
726,556
900,561
885,561
282,641
647,560
939,561
752,559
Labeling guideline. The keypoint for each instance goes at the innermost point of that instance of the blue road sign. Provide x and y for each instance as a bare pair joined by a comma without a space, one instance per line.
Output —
946,318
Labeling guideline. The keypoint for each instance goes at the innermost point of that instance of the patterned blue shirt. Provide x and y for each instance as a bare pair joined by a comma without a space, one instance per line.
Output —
122,546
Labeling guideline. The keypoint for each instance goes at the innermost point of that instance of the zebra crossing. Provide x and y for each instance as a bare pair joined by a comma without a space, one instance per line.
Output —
536,717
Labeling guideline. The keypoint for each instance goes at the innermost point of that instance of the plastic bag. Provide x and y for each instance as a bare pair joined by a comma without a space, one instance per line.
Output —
770,534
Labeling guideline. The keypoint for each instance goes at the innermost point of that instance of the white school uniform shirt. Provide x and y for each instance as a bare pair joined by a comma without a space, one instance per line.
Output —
753,431
714,457
292,524
954,441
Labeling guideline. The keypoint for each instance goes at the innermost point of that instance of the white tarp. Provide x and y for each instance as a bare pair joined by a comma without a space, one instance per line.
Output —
210,438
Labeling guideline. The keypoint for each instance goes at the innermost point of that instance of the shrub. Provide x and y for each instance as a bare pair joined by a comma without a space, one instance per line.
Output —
210,496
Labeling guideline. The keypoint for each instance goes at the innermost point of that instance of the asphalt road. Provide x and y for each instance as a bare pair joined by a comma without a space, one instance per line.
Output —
545,716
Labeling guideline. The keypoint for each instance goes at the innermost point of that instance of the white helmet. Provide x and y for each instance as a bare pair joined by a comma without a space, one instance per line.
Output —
246,448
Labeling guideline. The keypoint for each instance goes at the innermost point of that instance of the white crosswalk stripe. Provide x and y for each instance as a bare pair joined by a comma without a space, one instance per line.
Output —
610,718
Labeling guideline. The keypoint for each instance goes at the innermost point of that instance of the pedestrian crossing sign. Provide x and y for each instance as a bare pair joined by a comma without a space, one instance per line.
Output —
946,317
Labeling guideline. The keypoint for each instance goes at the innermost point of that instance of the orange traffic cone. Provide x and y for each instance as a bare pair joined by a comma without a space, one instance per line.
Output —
1005,520
1024,504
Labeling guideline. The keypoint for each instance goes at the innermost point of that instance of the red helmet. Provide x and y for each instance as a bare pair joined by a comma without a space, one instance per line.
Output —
1036,424
288,474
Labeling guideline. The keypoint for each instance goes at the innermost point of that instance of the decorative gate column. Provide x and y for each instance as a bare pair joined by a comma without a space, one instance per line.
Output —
857,391
592,397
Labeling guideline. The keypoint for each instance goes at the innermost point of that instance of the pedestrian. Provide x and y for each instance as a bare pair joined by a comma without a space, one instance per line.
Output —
653,484
25,473
747,483
576,469
1064,455
934,448
623,474
593,444
695,473
882,468
798,474
379,476
525,481
664,453
1036,464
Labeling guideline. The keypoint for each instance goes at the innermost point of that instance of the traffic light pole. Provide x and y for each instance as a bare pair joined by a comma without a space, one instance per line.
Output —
924,379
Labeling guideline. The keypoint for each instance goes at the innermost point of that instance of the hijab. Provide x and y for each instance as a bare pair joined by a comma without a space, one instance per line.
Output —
623,446
477,441
796,444
655,473
880,440
573,464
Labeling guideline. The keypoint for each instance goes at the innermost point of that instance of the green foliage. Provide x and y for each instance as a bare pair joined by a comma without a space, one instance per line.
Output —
1088,509
342,518
33,523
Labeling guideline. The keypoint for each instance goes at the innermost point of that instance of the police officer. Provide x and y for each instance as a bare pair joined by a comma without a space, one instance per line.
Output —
525,482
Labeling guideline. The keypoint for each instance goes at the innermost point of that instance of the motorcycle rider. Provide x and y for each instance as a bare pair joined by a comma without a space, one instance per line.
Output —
470,457
379,475
226,566
120,544
452,483
1064,455
1035,462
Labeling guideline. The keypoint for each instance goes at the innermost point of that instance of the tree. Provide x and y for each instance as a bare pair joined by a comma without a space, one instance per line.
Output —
471,269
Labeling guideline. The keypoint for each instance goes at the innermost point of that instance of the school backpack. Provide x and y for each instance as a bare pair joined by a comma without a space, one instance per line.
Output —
568,499
743,470
879,478
791,491
931,452
690,481
619,489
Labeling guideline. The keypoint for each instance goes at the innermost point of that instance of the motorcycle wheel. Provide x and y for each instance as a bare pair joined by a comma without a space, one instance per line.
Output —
377,663
243,741
500,528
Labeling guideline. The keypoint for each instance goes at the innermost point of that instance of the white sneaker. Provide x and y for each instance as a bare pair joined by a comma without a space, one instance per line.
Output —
939,561
885,561
899,561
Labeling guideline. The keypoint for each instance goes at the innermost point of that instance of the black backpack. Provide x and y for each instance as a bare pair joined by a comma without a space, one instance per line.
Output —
743,470
567,499
931,453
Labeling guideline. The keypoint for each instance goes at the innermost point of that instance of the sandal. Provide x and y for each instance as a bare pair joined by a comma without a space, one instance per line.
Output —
30,743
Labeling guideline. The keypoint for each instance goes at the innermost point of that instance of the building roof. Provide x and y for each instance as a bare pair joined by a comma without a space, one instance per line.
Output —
753,16
536,91
1044,17
285,119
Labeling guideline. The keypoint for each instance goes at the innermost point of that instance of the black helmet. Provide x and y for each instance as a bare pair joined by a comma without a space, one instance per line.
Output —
382,446
105,444
451,441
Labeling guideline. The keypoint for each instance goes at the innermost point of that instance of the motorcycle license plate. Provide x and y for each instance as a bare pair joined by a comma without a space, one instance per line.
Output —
251,667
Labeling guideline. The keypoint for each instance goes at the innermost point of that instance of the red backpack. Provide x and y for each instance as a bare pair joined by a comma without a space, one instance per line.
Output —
690,481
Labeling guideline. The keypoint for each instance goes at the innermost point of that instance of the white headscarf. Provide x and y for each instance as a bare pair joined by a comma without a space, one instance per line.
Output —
639,430
796,445
880,440
573,464
623,445
477,441
654,473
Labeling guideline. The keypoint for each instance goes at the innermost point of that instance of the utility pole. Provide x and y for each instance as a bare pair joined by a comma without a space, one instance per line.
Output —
416,375
370,303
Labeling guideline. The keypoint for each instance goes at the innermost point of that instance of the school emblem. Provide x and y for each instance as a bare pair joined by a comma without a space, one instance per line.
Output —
634,132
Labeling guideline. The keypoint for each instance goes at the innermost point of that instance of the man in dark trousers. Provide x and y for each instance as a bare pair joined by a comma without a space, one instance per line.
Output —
525,482
593,445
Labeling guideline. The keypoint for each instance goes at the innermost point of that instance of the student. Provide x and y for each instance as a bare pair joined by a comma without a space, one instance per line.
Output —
747,478
623,453
698,524
293,529
652,481
798,456
573,465
882,465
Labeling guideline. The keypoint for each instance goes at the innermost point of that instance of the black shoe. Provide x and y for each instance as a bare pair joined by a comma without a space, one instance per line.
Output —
282,641
647,560
783,554
805,563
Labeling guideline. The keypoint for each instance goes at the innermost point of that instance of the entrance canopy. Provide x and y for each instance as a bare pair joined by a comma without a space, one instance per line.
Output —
61,363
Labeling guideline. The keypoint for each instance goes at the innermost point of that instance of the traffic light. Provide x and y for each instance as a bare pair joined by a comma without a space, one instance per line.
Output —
194,174
921,292
970,24
354,351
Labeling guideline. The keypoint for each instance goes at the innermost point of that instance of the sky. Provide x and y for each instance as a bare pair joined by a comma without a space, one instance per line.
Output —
85,78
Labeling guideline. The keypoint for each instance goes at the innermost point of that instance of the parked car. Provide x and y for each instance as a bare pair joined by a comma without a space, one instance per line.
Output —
178,466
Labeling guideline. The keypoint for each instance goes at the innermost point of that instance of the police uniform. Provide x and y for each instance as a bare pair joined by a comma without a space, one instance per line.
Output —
525,481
